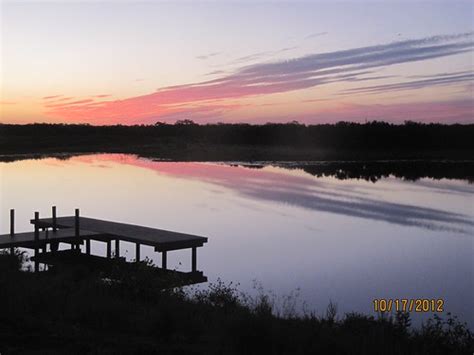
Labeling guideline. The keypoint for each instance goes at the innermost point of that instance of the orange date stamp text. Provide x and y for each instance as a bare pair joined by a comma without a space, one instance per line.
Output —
408,305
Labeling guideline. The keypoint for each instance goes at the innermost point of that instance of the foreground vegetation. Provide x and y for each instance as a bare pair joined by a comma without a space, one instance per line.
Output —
127,312
292,141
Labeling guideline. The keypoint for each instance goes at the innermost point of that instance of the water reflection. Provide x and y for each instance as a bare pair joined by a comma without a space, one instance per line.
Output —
345,240
275,185
411,170
261,182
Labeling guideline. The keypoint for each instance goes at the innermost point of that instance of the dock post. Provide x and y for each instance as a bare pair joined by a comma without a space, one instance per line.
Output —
117,248
36,260
76,228
12,228
194,259
36,266
109,249
36,226
88,246
137,252
55,227
76,223
12,222
163,259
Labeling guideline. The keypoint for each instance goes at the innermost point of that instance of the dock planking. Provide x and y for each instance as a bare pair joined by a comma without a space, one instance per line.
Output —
27,239
162,240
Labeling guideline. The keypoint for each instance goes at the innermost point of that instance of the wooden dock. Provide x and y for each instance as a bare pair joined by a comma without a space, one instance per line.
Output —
77,230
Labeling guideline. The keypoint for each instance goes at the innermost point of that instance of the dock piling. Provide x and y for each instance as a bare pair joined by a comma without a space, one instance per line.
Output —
12,228
36,264
76,228
55,222
77,222
36,226
137,252
109,249
194,259
88,246
117,248
12,222
163,259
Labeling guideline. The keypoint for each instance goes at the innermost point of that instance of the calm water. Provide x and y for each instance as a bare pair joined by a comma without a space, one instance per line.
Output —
348,241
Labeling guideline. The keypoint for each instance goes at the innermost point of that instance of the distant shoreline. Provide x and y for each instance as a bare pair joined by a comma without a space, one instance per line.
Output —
369,170
241,142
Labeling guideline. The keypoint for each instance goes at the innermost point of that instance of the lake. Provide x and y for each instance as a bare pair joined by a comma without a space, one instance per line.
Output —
348,240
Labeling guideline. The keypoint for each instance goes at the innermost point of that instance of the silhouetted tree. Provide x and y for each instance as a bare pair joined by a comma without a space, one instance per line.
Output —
185,122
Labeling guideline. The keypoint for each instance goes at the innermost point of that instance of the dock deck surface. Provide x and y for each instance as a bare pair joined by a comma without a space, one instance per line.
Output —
161,239
27,239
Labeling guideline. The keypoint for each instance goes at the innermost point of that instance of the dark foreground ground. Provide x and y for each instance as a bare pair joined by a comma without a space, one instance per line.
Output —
128,312
186,141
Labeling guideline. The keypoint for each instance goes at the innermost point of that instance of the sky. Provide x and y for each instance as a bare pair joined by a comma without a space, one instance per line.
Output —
129,62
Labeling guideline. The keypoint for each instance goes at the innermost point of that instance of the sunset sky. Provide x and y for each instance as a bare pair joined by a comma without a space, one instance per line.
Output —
315,61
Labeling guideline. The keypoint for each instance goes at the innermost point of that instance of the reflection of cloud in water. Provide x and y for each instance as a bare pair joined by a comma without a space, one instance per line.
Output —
310,193
368,208
446,188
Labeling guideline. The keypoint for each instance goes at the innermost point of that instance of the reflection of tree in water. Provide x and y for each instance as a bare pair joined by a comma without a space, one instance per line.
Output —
407,170
412,170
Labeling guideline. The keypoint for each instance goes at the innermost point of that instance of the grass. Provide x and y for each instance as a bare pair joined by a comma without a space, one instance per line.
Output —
76,311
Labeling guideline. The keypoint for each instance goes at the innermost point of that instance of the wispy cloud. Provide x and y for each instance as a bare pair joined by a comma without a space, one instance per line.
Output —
207,56
435,80
317,34
216,72
72,103
276,77
261,55
51,97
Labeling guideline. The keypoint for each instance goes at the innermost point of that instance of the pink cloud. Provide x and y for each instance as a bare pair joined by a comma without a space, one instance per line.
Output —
51,97
67,104
64,99
277,77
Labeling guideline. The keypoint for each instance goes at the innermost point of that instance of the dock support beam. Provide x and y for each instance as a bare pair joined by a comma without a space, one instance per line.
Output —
76,223
36,260
36,240
12,222
36,226
163,260
117,248
55,222
109,249
76,229
194,259
88,246
12,228
137,252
